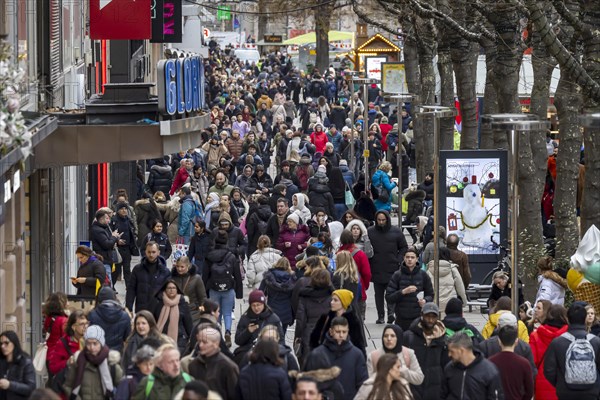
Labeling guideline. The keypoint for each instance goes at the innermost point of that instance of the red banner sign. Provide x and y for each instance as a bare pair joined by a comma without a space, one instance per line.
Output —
120,19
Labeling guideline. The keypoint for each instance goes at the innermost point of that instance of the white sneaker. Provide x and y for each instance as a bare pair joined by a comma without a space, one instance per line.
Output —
232,316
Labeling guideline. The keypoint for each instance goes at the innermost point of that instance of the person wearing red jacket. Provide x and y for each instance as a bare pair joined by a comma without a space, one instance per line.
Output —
319,138
385,129
554,325
182,176
59,355
55,318
362,265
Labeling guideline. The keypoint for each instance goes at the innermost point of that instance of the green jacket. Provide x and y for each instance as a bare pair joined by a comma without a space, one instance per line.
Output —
164,386
91,386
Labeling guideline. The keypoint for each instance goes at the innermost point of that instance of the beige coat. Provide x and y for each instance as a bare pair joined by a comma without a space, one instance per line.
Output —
451,284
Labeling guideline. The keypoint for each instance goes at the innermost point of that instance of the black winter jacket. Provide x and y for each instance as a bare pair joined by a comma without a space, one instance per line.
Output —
184,330
218,372
115,321
457,323
143,285
262,214
278,285
246,339
223,255
163,243
273,227
407,305
313,302
319,196
103,242
199,248
554,366
160,179
237,243
21,375
92,270
249,387
389,246
478,381
415,205
346,356
356,331
432,359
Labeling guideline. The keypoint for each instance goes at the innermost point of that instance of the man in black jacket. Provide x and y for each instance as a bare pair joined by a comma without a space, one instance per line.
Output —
555,359
409,289
469,375
146,279
126,245
103,240
277,219
389,246
427,337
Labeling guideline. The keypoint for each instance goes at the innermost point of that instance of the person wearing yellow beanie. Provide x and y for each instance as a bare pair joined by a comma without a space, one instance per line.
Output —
345,296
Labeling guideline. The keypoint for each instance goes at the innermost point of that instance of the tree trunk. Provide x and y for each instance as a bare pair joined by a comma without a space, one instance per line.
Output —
590,209
263,19
464,61
568,101
490,97
444,66
322,20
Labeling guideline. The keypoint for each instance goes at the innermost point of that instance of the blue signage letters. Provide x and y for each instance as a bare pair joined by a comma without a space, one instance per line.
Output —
180,85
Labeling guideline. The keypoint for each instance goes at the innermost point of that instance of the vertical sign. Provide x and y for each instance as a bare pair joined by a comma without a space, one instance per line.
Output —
166,21
120,19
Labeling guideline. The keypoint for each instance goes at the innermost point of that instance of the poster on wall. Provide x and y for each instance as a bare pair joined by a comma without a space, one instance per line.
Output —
393,78
474,200
373,66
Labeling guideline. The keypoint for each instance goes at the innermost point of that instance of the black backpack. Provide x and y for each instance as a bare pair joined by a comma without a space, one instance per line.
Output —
262,227
221,275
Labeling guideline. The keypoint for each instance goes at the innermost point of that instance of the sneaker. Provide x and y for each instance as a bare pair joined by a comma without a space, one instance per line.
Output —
227,338
391,319
379,321
233,316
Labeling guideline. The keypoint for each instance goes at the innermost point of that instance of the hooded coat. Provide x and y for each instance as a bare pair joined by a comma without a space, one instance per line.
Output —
301,209
457,323
146,213
492,324
415,200
111,317
278,285
253,226
145,281
451,284
431,353
249,389
389,246
363,243
172,217
160,178
382,179
312,304
299,237
356,331
237,243
246,339
319,195
539,341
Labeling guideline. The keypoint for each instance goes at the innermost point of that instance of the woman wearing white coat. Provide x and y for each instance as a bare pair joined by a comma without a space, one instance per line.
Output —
552,285
298,206
261,261
451,284
361,237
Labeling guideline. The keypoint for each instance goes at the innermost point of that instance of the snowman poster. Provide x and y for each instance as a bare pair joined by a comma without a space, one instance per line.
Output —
474,199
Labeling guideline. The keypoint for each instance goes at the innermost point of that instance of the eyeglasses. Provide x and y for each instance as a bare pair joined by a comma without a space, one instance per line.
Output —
5,343
171,288
83,324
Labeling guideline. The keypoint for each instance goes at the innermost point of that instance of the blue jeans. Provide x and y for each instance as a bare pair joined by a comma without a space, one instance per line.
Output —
340,209
226,301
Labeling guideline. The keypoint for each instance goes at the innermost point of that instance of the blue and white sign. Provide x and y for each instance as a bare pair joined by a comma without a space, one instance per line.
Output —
180,85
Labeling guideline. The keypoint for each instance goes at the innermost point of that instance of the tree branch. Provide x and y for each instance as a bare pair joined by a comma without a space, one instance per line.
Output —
568,64
371,21
579,26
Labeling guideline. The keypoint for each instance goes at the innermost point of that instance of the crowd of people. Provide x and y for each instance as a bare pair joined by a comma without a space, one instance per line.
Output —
308,244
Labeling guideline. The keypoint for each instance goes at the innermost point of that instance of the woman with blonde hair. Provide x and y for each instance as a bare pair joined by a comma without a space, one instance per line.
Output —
277,284
261,261
346,275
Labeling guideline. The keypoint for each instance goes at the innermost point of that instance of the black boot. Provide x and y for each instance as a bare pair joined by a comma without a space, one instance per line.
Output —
380,320
391,318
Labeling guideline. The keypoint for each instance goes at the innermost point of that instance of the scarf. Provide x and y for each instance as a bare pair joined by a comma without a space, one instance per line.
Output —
100,361
169,312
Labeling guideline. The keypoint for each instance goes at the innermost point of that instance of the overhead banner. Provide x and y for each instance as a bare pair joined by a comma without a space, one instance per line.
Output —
120,19
474,200
167,21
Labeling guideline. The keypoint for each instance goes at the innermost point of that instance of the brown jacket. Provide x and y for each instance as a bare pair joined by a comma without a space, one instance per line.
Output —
462,260
235,147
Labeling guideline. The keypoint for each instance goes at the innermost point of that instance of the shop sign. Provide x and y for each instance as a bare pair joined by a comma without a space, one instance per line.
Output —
180,85
120,19
273,39
166,21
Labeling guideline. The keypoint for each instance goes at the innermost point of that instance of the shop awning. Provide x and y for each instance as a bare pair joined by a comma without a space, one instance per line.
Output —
311,37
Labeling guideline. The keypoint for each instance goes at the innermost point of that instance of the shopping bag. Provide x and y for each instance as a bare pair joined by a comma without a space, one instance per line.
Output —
39,360
349,198
181,249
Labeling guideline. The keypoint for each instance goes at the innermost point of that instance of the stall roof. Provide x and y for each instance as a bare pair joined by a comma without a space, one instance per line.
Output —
311,37
262,43
378,44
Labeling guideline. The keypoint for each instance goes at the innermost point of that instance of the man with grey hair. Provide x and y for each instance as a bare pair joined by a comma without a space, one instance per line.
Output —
469,375
167,379
211,366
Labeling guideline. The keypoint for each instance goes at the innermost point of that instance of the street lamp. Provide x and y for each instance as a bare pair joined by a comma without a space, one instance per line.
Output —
437,112
516,125
365,82
400,98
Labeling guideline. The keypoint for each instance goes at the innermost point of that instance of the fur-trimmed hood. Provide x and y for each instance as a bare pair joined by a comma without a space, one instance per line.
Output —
358,223
319,375
416,194
555,277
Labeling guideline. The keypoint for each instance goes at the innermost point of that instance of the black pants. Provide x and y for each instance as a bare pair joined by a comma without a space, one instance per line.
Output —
125,266
379,300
